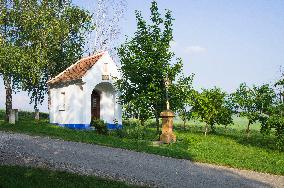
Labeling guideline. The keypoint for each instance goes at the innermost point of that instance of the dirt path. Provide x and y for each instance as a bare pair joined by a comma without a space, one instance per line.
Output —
125,165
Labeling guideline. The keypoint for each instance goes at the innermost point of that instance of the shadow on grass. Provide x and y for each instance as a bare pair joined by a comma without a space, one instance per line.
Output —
254,139
19,176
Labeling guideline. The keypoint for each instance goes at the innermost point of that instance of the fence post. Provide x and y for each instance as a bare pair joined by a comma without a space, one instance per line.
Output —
12,117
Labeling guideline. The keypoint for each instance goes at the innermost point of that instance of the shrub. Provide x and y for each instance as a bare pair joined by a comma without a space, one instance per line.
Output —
131,130
274,121
120,133
277,123
100,126
130,123
136,132
151,124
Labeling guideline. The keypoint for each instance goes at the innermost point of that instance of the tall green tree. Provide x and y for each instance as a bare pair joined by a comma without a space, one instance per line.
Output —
252,102
273,116
182,94
146,60
9,53
51,33
279,85
275,121
212,106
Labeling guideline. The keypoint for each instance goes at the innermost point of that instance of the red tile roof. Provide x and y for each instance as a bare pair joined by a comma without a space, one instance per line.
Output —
77,70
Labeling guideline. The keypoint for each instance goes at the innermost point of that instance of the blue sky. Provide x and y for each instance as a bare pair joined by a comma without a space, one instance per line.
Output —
223,42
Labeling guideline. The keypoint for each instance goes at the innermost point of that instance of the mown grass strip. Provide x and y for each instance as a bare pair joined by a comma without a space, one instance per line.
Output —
20,177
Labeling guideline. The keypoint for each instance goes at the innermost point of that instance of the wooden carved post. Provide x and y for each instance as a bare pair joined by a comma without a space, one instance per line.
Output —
167,116
167,135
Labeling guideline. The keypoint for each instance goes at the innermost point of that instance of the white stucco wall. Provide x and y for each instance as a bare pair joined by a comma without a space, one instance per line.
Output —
73,103
110,109
78,99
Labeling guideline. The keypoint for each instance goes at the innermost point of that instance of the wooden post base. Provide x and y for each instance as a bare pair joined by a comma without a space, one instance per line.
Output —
168,138
167,135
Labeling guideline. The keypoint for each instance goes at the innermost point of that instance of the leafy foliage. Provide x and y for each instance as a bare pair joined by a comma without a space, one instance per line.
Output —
276,122
182,94
273,119
146,60
212,106
50,35
253,102
9,54
279,86
100,126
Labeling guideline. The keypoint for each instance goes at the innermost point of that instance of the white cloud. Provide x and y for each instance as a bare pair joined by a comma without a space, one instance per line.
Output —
194,49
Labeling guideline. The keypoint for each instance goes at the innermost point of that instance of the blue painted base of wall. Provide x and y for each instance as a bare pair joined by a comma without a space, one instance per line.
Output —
114,126
74,126
87,126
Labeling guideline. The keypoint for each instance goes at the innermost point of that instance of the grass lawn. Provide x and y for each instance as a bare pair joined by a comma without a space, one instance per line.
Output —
19,177
228,147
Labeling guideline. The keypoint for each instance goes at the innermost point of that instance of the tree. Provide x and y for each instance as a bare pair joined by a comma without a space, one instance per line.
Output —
273,117
136,109
252,102
212,106
275,121
182,94
9,53
279,85
107,19
264,98
146,61
4,48
52,36
9,61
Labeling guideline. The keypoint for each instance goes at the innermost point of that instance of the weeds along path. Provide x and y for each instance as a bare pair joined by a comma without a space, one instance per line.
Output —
125,165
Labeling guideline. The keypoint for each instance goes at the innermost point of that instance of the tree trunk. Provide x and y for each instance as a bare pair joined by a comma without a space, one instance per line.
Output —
36,108
206,129
142,122
36,114
248,129
184,122
157,118
8,103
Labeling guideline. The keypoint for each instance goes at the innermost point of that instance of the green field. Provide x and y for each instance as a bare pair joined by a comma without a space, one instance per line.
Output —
228,147
20,177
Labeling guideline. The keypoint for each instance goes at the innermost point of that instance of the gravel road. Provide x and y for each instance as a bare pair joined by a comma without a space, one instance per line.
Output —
129,166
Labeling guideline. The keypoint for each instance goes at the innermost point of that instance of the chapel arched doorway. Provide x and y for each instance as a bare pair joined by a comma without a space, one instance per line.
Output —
95,104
